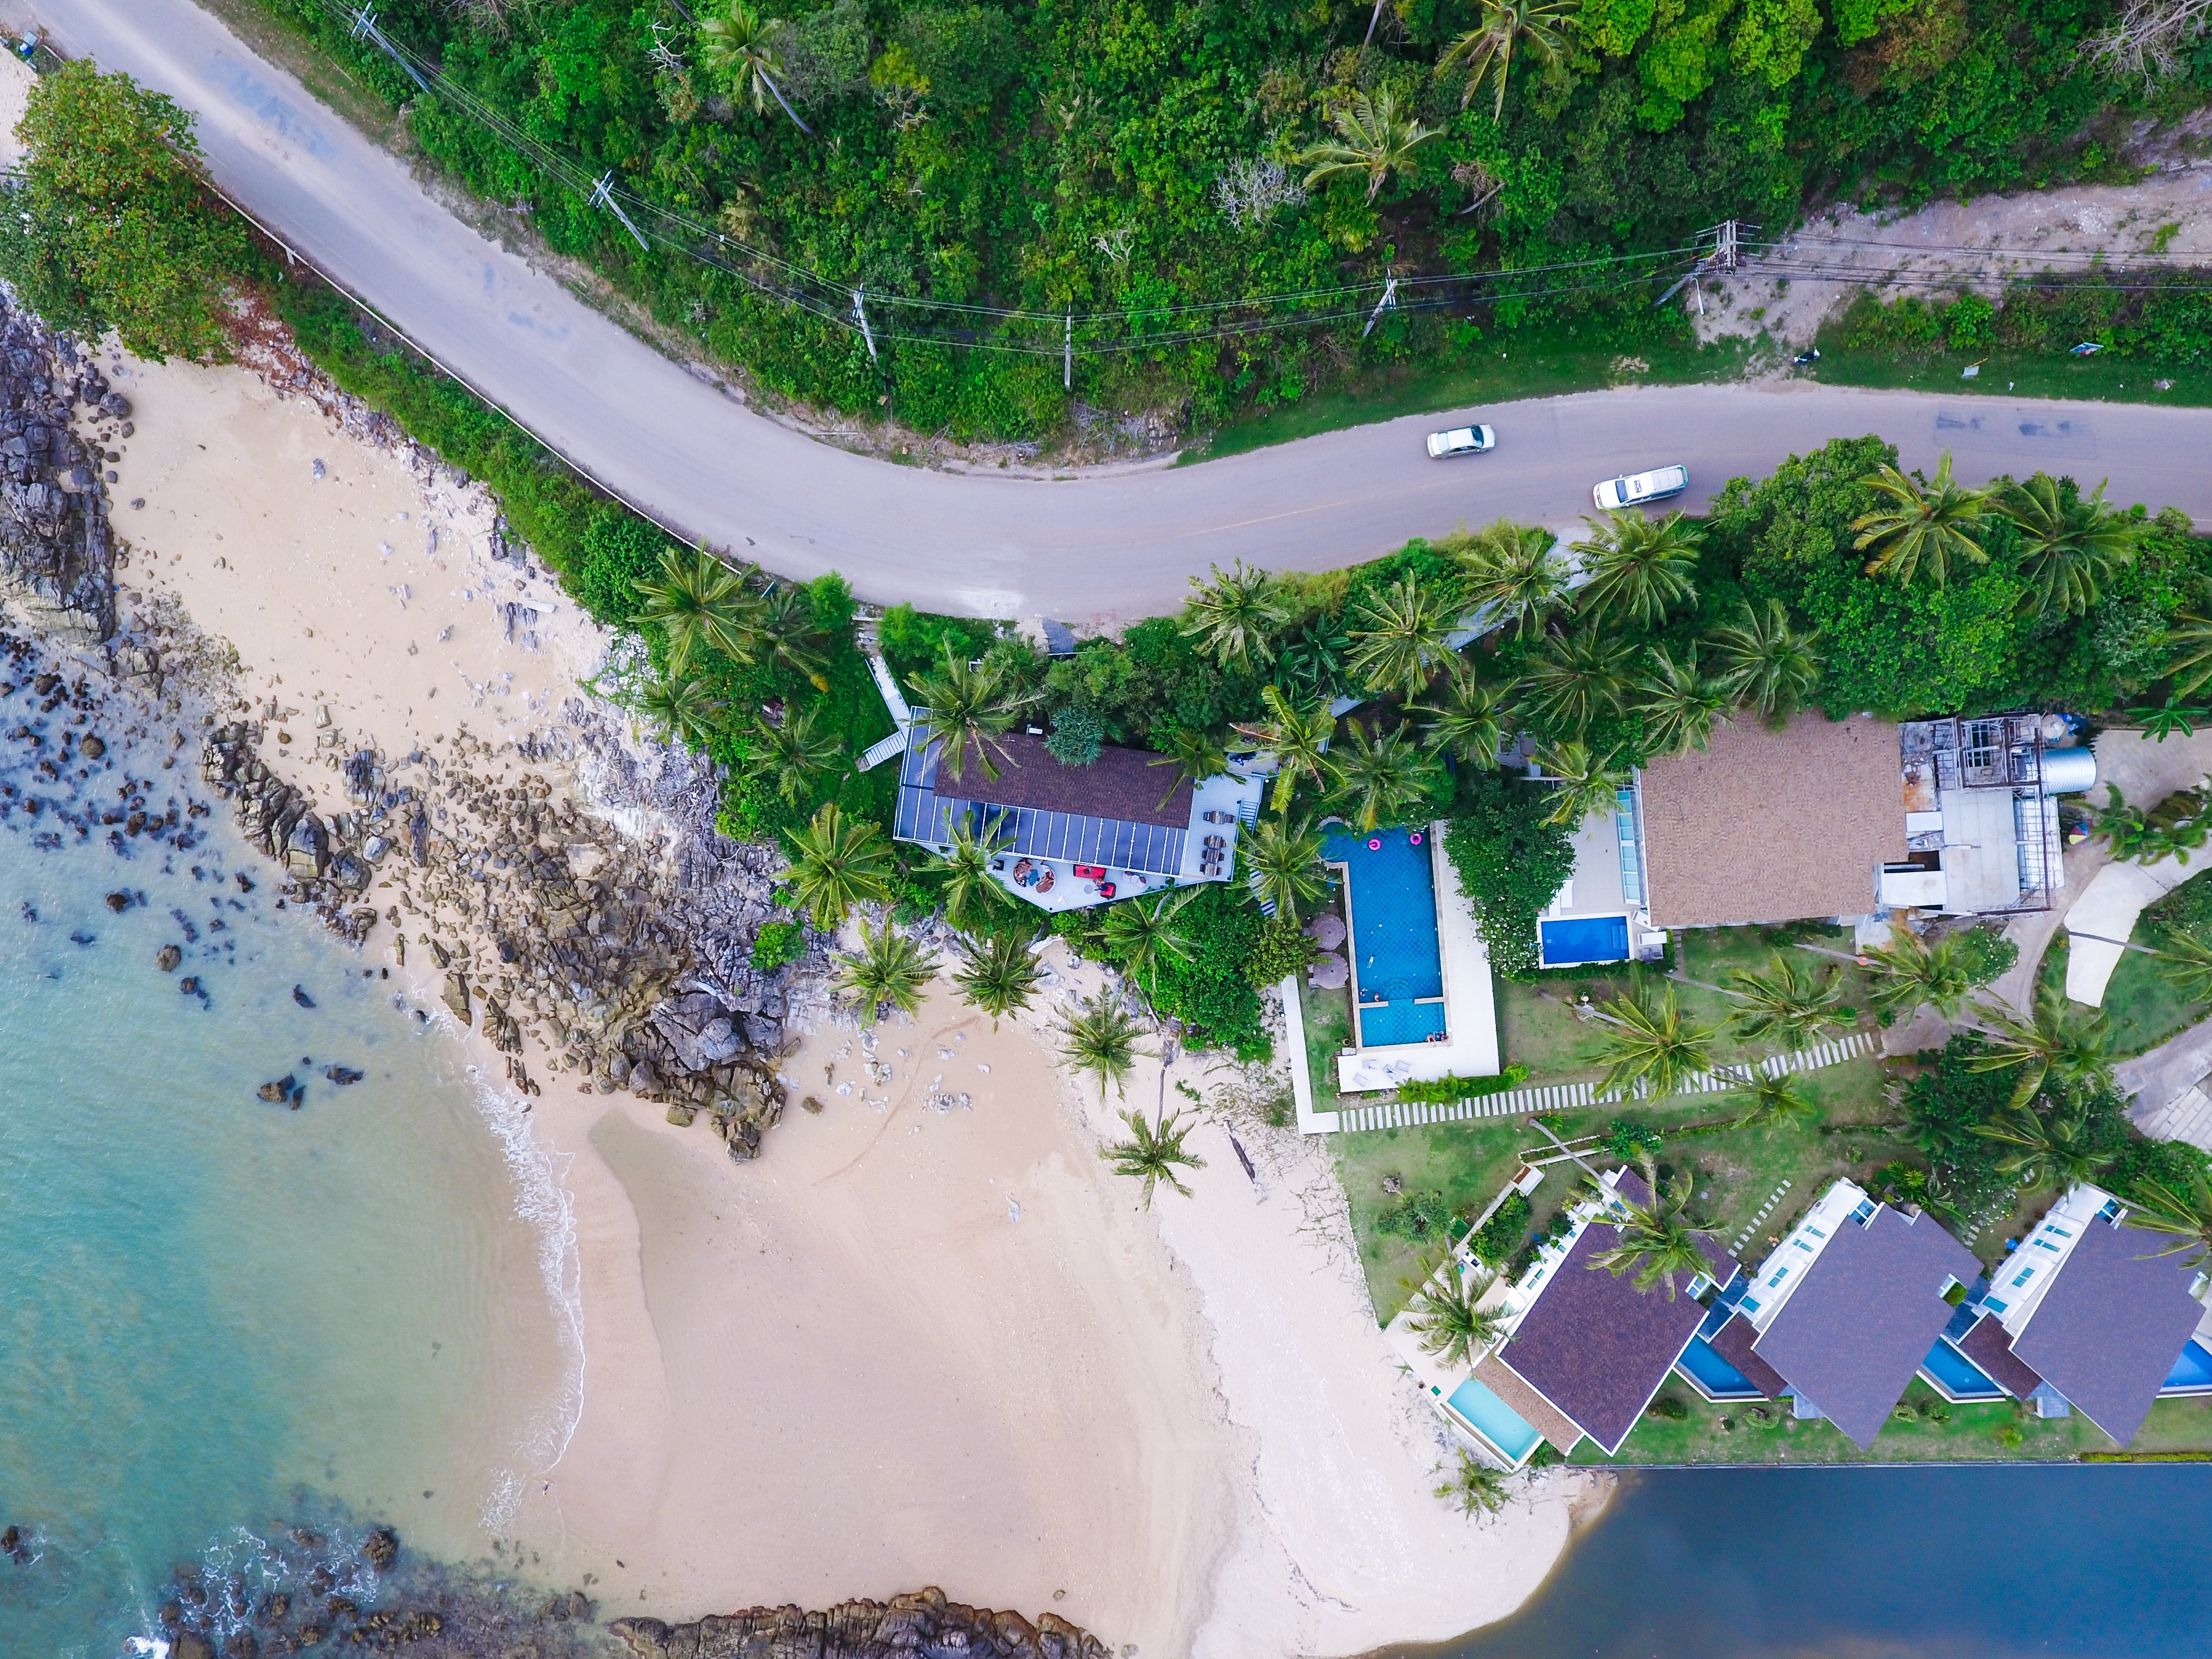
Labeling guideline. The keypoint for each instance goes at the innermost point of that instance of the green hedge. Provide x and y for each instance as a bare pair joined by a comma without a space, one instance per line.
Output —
1445,1090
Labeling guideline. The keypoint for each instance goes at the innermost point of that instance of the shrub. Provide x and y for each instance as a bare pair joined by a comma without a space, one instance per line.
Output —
1417,1216
1280,950
777,943
1970,323
1510,863
1989,954
1498,1238
1443,1090
1670,1407
912,642
1626,1138
1076,736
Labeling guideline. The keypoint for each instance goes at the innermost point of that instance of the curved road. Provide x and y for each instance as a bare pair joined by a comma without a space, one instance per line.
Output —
1114,544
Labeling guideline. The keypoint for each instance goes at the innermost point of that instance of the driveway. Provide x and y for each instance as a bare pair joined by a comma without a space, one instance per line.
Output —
1115,546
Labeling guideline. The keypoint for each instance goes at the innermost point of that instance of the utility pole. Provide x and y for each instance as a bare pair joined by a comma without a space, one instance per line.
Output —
365,28
1067,356
1390,299
860,316
603,195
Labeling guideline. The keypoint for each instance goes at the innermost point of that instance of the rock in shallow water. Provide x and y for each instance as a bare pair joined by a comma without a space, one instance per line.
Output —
167,959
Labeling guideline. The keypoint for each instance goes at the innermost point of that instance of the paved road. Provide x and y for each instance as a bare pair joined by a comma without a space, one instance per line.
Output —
1114,545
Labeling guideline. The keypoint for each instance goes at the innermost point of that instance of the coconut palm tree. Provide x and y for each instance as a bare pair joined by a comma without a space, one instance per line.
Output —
2052,1149
1196,756
1475,1487
1650,1043
1680,706
1311,666
2190,639
1000,975
1776,1102
2056,1040
1373,136
1538,27
1298,741
1235,616
1100,1039
1142,936
1153,1151
680,710
741,48
2186,965
2183,1215
1924,522
1467,720
697,601
1398,637
970,894
798,753
1579,677
1446,1321
792,636
1638,567
1789,1004
1583,783
1282,864
1657,1243
836,863
1909,972
2068,547
1762,659
971,705
1380,777
887,968
1515,572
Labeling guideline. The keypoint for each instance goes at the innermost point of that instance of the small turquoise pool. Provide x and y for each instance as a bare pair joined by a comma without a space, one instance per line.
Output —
1957,1376
1497,1422
1702,1363
2192,1371
1397,956
1574,939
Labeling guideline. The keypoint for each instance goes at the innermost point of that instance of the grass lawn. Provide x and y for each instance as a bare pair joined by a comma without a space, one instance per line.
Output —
2141,1003
2103,378
1727,1433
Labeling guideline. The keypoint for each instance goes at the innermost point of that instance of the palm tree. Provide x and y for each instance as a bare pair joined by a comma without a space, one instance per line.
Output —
1578,678
741,48
1141,937
1153,1151
1380,776
1515,572
698,601
1538,28
889,967
2069,547
2185,1217
1282,863
798,753
1909,972
1235,616
970,894
1475,1487
1373,136
793,636
2054,1149
2186,963
971,706
1777,1103
2191,638
2055,1040
1446,1321
1638,567
1770,665
1196,756
1651,1044
1000,975
1928,522
681,710
1656,1243
1680,706
1585,782
1298,741
1398,637
1468,722
1311,666
837,863
1100,1039
1791,1004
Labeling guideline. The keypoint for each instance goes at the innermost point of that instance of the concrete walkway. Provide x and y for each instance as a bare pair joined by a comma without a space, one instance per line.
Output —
2159,1078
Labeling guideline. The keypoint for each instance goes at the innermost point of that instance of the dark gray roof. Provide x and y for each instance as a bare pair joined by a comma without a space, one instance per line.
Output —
1121,783
1863,1317
1597,1347
1988,1344
1732,1342
2111,1324
1109,813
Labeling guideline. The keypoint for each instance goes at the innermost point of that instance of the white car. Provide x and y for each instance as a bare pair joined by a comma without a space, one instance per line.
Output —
1461,441
1640,487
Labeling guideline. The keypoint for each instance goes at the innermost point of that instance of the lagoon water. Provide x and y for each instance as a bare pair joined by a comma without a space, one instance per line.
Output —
220,1314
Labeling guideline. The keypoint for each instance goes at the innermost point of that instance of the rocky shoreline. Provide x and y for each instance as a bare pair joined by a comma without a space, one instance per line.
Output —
921,1624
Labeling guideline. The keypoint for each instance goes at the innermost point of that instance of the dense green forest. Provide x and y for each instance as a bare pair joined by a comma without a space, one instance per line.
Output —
1128,157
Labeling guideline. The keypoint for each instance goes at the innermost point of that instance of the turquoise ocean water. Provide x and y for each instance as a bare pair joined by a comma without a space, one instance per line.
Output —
217,1314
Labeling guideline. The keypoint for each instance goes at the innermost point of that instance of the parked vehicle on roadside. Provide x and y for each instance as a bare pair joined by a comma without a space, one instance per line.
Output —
1461,441
1634,489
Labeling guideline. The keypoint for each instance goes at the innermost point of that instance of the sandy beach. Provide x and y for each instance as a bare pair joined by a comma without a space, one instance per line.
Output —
920,1339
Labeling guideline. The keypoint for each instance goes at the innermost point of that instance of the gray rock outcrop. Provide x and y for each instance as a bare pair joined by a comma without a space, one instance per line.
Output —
922,1624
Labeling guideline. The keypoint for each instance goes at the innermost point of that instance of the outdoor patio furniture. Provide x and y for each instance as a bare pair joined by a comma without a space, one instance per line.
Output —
1329,973
1215,815
1327,930
1045,879
1217,840
1105,889
1022,869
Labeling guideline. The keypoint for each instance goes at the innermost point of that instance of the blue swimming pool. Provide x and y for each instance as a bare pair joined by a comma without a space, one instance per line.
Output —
1702,1364
1574,939
2192,1371
1957,1376
1397,957
1497,1422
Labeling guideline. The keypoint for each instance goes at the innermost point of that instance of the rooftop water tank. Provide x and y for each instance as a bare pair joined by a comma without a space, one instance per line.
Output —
2069,771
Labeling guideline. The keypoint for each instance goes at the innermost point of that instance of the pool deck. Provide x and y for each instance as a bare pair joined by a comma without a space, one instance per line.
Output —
1470,1003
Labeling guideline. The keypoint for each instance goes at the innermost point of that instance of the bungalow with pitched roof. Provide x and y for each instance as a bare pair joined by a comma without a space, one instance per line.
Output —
2086,1313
